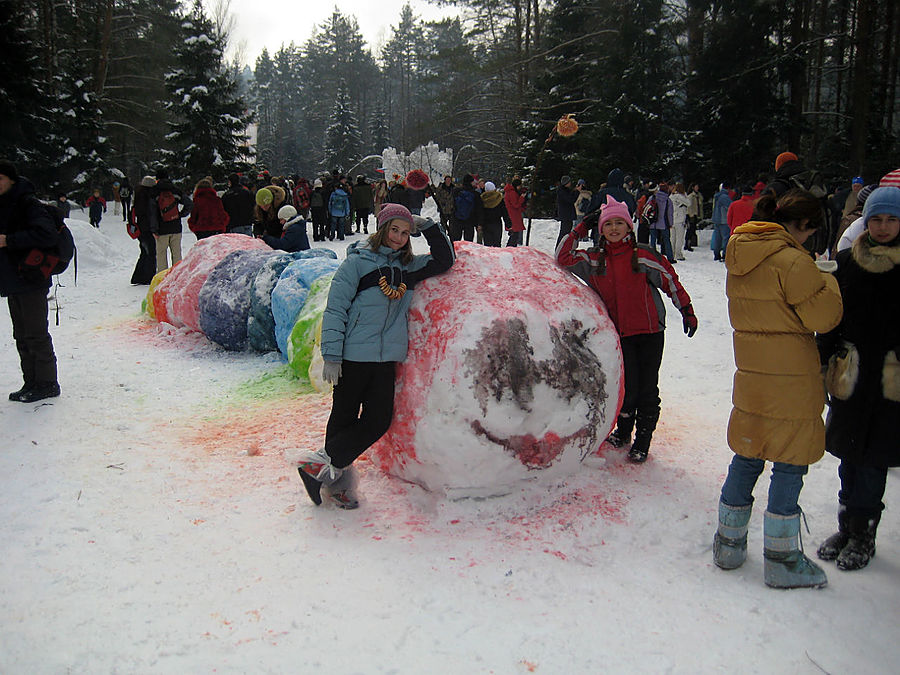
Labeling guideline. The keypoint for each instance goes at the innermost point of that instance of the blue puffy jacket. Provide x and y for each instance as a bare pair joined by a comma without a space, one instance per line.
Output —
365,325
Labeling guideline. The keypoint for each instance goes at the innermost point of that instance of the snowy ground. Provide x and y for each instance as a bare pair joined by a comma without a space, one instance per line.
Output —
151,525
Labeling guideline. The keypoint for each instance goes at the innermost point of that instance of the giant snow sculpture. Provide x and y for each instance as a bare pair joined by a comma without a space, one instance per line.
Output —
224,298
177,298
305,340
514,370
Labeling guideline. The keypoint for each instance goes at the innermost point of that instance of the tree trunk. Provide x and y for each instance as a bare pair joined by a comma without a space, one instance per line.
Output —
861,90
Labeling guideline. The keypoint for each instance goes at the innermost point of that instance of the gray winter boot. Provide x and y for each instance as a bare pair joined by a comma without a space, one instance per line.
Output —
860,548
832,547
316,469
786,566
730,541
343,491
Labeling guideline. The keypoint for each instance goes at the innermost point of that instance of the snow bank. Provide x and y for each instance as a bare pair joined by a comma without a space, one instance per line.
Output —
514,371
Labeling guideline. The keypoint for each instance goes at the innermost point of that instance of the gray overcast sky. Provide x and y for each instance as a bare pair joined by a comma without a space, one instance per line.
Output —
271,23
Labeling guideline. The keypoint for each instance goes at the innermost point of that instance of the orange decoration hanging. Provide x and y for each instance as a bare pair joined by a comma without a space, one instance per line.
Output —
567,126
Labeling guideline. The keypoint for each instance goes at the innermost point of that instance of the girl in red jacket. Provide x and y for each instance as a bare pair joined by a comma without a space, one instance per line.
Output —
208,216
628,278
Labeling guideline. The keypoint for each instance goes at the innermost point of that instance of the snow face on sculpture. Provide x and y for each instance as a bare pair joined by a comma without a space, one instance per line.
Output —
514,371
177,298
225,298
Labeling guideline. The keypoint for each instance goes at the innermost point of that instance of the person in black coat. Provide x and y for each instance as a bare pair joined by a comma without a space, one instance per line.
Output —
238,203
494,215
467,210
615,188
862,356
565,207
25,224
145,268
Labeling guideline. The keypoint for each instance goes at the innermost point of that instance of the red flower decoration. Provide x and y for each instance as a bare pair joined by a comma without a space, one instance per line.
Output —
567,126
417,179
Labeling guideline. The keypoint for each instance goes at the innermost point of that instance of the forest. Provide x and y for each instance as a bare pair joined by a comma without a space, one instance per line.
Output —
699,90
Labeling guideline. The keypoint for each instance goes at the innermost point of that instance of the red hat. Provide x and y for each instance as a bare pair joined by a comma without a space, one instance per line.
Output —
417,179
784,158
891,179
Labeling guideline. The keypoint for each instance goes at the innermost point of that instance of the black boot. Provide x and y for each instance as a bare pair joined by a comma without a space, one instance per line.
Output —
17,395
38,392
646,425
622,434
860,548
832,547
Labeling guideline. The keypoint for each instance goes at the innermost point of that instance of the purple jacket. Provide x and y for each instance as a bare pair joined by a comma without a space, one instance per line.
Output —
664,212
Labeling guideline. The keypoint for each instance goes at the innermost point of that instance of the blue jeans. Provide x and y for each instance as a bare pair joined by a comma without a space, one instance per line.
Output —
784,486
337,227
665,243
720,235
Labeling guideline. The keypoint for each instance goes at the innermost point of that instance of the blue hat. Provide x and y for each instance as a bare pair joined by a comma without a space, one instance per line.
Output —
882,200
858,180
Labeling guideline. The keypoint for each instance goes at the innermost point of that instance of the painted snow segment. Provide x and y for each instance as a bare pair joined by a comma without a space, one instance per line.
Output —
291,291
514,371
305,340
224,298
177,298
147,303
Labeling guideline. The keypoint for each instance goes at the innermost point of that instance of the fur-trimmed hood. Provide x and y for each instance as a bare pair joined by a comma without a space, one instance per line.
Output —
874,258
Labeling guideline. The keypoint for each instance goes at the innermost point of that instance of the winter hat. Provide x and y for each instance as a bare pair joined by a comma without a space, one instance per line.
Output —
8,169
264,196
882,200
417,179
858,180
391,212
863,194
489,187
317,183
580,182
784,158
891,179
148,181
614,209
565,180
286,212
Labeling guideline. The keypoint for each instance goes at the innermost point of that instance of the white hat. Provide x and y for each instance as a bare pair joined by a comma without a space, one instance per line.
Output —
286,212
317,183
489,187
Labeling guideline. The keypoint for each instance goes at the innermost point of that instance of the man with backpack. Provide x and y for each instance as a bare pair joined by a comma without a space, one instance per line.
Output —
171,207
338,210
238,204
790,173
26,225
467,210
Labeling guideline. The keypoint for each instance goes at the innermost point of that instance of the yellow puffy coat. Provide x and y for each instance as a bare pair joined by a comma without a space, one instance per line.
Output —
777,299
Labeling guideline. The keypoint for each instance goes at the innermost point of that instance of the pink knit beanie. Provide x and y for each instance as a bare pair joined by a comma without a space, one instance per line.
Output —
390,212
612,209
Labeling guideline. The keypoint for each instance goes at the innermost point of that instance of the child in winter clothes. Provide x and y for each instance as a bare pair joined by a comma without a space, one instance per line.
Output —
777,299
96,208
628,277
863,379
294,226
364,335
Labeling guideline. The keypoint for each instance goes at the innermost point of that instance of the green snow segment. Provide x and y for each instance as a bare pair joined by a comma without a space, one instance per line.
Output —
303,338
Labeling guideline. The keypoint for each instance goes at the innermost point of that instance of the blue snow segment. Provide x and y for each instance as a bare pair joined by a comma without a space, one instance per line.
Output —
261,322
225,298
291,291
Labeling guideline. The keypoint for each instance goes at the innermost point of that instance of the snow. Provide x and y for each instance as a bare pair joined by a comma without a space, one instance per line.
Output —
151,524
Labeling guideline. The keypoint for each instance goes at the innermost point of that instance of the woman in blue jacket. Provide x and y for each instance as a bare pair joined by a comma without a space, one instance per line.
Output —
364,335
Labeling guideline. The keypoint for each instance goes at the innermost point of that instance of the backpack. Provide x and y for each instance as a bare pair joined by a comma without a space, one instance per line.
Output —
811,181
650,210
131,227
125,192
168,206
41,263
463,204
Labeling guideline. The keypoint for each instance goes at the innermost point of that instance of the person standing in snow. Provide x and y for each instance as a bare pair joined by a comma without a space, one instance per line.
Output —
467,207
494,215
125,196
565,207
145,268
661,227
170,205
680,205
362,203
628,277
24,225
721,202
364,335
208,216
514,198
777,300
741,210
238,204
338,211
443,197
695,215
96,207
863,378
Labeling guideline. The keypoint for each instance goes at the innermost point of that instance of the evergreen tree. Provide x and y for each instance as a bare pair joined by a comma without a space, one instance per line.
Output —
342,140
208,118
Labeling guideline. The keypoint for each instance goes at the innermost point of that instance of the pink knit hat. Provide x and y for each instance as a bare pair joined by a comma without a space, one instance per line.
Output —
613,209
391,212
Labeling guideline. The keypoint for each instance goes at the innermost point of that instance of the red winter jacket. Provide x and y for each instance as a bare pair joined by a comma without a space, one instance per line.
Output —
208,214
631,298
740,212
515,207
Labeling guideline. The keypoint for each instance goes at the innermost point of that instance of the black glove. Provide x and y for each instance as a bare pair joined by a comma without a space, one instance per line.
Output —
689,320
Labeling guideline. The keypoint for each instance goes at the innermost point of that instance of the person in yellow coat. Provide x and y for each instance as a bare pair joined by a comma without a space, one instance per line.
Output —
777,300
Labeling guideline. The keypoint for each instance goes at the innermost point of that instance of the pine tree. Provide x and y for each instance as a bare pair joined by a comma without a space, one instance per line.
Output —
208,118
342,140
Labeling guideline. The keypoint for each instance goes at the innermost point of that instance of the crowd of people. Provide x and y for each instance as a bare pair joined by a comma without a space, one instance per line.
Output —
812,285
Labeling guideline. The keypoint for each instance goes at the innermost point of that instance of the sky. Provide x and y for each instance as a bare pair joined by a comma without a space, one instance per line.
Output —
276,22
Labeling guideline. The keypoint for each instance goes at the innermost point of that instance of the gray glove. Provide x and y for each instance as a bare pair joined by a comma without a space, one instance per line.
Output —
331,372
420,224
